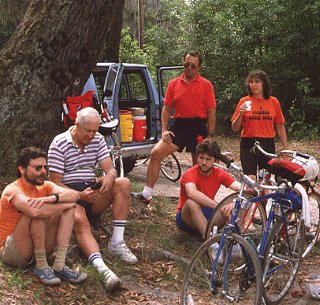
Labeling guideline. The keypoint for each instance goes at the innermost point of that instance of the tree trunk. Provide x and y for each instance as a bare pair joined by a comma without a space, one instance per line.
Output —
49,57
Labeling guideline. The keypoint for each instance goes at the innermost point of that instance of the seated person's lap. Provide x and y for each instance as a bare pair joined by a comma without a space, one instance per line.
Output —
182,225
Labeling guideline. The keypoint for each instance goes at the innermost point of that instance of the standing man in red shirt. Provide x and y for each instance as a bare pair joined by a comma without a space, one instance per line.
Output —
193,100
198,187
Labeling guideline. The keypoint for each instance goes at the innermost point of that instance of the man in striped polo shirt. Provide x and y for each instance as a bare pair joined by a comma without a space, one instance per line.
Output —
72,158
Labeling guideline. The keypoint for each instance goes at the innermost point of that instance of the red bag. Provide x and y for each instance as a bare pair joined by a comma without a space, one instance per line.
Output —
287,169
73,104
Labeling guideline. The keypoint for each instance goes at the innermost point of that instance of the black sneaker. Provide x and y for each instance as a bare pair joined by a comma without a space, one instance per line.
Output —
67,274
141,198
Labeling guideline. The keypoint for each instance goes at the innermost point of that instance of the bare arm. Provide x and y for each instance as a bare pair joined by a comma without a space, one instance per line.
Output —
110,174
22,203
236,124
282,135
198,196
211,114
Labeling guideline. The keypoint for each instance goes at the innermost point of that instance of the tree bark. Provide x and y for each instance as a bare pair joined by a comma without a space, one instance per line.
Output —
50,56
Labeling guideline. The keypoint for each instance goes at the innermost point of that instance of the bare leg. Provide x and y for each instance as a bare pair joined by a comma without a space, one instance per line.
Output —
161,150
192,215
84,236
22,238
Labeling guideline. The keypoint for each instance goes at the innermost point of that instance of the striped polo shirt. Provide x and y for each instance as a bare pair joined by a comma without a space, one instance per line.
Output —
65,158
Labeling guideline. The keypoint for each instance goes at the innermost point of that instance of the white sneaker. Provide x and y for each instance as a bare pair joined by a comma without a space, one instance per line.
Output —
214,249
123,251
111,281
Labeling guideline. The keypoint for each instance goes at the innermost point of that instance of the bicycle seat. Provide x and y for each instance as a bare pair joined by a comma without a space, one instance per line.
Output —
107,128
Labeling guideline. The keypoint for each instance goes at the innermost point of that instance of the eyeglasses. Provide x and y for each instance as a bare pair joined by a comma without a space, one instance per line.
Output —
189,65
39,167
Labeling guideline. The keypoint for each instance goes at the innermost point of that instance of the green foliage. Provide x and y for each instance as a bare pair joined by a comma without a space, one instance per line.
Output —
237,36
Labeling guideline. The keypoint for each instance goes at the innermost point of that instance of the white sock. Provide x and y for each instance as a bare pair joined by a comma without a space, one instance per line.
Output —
118,231
96,260
147,192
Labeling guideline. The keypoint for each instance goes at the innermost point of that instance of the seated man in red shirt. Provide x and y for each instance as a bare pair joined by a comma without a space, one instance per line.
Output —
199,186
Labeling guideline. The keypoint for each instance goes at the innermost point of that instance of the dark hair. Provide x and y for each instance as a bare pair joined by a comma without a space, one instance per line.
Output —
208,147
28,153
262,76
194,54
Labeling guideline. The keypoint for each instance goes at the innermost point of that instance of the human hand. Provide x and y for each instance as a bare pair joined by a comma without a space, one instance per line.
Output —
38,202
107,182
226,211
243,108
167,136
89,195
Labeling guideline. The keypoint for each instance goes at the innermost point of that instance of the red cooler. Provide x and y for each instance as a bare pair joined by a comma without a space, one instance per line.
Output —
139,128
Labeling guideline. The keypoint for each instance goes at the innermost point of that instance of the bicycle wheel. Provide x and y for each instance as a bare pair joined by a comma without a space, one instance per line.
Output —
171,168
237,277
282,258
251,222
312,233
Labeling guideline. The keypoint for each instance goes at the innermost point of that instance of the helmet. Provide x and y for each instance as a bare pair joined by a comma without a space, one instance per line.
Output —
310,165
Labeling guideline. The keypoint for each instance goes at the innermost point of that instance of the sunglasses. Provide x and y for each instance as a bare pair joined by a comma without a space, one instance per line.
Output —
189,65
39,167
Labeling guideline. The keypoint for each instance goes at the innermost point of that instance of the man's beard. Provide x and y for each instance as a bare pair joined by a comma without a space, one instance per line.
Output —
34,181
206,171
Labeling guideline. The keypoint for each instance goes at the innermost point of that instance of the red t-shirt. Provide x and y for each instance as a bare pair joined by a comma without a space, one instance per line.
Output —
259,122
208,185
190,100
9,215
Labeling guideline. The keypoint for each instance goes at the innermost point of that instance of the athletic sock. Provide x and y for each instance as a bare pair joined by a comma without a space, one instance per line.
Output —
96,260
60,260
147,192
41,259
118,231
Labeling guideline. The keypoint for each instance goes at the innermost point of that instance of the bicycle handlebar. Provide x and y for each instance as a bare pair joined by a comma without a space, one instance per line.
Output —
292,153
245,179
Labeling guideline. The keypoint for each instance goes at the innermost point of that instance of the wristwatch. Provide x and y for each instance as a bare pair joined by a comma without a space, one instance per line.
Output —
57,198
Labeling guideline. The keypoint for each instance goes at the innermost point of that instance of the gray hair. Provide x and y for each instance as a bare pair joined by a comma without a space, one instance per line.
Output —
86,114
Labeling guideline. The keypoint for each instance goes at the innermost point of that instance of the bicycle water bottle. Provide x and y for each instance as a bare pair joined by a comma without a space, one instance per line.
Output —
261,174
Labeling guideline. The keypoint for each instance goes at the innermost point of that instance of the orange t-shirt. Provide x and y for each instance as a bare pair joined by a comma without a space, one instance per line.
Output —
190,100
9,215
259,122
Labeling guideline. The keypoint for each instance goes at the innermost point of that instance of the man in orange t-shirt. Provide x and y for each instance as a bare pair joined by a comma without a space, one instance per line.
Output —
192,98
35,217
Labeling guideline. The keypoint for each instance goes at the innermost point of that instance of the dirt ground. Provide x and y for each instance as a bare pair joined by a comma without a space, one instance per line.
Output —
162,249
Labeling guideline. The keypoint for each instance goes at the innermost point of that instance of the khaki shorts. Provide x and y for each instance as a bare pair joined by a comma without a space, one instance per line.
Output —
10,255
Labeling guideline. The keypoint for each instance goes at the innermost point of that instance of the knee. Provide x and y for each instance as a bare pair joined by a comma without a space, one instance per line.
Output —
192,205
122,185
155,154
81,221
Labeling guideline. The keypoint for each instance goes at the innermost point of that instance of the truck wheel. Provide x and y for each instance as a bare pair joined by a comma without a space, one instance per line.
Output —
128,165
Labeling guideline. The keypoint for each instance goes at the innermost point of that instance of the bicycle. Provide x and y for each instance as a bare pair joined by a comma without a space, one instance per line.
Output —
169,166
308,182
254,221
279,250
108,128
